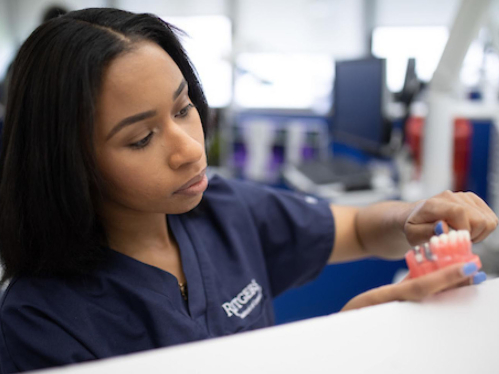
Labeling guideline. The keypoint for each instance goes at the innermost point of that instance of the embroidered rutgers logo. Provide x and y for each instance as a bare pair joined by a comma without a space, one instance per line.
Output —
244,303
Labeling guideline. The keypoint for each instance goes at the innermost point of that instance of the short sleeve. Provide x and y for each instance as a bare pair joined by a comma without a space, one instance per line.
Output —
296,232
31,339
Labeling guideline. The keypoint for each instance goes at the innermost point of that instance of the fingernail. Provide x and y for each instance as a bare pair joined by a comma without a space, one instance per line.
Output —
439,228
479,277
469,268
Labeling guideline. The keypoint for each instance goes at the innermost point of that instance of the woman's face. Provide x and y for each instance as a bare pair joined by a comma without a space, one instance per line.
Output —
148,135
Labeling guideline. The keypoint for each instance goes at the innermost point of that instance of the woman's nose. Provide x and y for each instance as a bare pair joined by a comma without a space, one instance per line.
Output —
185,149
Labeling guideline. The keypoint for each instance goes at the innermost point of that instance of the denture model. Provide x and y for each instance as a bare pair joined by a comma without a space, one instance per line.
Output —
442,250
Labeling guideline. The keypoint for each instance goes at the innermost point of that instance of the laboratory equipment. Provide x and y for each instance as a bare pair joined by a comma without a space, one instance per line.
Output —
442,103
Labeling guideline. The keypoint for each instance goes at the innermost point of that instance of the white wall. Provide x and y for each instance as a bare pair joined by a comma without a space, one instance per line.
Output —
329,27
333,27
302,26
18,18
26,15
175,8
6,39
415,12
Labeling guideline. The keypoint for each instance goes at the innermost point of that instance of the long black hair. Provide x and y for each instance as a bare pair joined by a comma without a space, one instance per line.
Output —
48,175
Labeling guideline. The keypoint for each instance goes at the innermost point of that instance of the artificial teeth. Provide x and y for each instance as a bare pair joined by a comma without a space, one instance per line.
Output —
467,234
452,236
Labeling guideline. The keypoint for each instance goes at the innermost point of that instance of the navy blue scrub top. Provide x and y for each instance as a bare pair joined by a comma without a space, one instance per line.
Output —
240,247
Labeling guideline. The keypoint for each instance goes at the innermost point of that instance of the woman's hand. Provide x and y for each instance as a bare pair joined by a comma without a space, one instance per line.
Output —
460,210
389,229
417,289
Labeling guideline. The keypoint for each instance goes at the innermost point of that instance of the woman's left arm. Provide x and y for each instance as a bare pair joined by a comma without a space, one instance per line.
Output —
389,229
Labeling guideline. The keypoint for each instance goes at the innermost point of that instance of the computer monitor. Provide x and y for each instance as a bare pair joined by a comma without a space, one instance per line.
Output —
360,93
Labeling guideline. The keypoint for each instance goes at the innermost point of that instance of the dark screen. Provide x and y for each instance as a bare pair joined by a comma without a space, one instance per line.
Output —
358,108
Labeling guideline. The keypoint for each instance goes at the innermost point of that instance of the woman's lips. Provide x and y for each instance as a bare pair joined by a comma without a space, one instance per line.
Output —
194,186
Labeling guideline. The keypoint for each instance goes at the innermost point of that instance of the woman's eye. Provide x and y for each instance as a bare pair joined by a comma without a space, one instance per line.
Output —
142,143
184,111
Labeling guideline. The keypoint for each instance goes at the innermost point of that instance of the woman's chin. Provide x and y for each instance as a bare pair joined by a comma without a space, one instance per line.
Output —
185,206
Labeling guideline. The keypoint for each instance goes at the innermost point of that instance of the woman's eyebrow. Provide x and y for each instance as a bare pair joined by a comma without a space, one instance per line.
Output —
131,120
179,89
144,115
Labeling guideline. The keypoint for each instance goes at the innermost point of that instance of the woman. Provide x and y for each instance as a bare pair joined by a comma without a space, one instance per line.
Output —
111,235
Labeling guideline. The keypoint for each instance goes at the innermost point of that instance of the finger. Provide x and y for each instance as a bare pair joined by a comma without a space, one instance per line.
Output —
475,279
486,209
466,282
482,219
421,223
458,215
418,234
481,236
416,289
441,228
479,277
481,226
463,215
461,210
491,220
448,206
440,280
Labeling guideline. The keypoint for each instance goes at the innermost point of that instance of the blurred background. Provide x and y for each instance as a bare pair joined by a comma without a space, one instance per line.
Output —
355,101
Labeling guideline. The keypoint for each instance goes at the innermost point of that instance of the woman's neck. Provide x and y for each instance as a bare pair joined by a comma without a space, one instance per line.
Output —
145,237
131,234
149,241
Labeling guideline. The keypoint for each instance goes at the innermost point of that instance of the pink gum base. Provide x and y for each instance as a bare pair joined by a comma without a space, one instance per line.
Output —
447,254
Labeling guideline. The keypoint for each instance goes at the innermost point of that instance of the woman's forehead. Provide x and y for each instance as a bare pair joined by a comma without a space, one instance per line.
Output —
137,81
144,65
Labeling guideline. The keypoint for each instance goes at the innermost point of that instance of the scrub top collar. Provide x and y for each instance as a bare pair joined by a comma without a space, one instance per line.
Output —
163,282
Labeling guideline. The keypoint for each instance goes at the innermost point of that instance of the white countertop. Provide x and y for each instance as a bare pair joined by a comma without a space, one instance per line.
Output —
453,332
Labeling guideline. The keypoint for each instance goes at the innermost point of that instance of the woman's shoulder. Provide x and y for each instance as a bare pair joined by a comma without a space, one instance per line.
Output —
259,196
25,292
231,198
226,189
37,329
218,185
